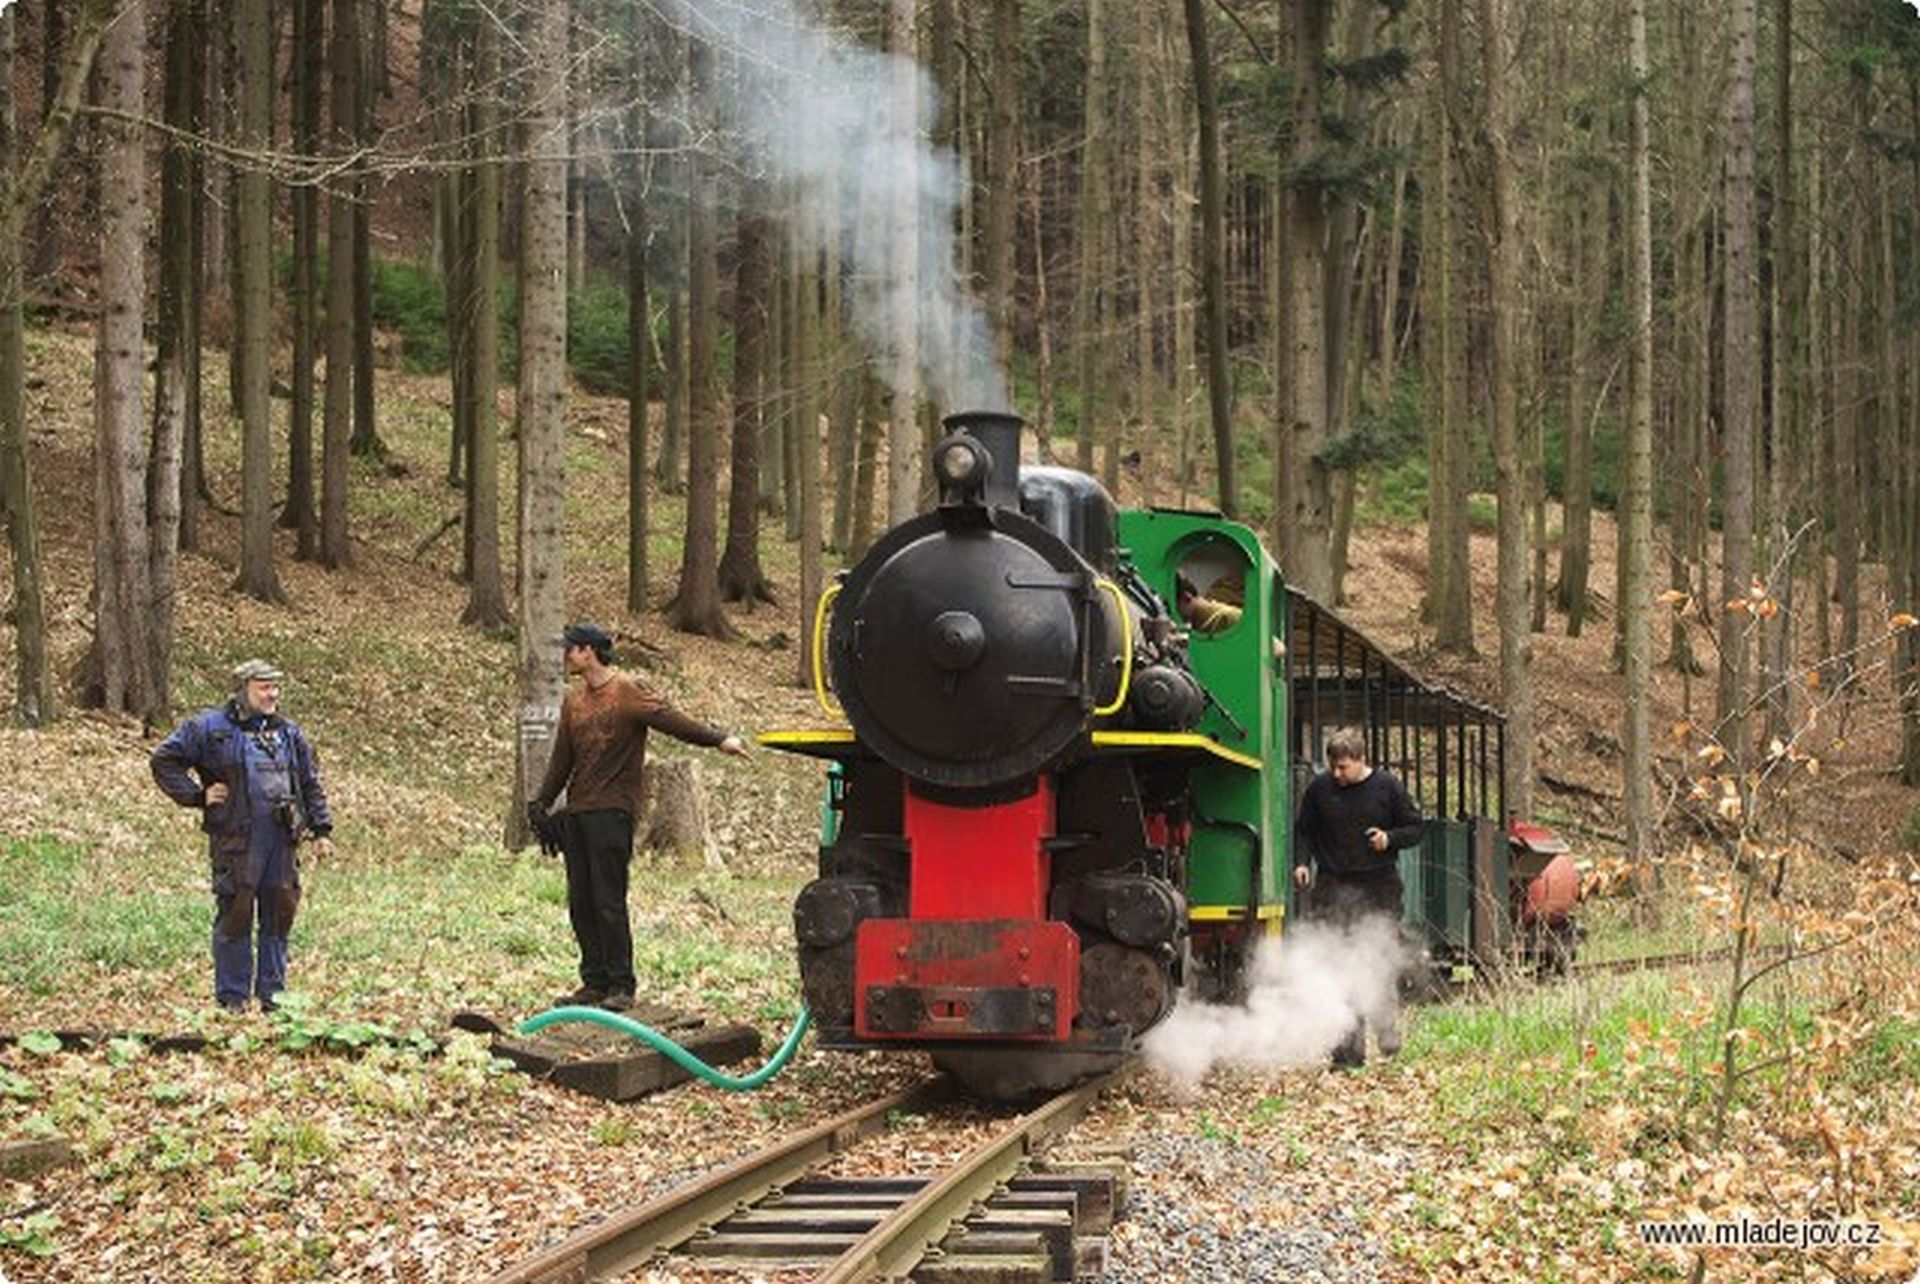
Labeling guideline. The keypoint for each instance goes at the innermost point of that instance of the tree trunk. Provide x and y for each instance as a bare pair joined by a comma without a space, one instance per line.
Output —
639,346
457,36
666,468
1821,418
696,607
806,431
1737,339
173,364
44,240
1213,282
676,812
741,578
866,466
1089,308
253,303
366,433
1848,358
673,427
772,474
843,429
1453,609
22,180
541,404
1348,268
309,20
1636,604
1181,164
1043,374
120,670
486,596
1591,255
215,260
788,393
1782,434
1303,498
903,435
1003,177
191,109
337,426
1148,153
1436,351
1503,280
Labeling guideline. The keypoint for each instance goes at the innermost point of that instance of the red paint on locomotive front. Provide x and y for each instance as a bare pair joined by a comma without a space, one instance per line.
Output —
980,862
977,958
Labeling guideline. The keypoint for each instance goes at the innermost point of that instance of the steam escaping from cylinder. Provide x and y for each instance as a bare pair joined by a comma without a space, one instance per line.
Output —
1304,993
805,106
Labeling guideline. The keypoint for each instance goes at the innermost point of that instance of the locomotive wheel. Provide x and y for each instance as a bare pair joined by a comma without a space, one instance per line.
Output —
1221,969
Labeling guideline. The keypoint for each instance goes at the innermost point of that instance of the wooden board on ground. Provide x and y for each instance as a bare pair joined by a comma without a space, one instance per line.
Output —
610,1065
25,1160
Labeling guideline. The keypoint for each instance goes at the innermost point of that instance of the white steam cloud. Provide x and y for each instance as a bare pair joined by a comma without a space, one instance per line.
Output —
1304,993
806,105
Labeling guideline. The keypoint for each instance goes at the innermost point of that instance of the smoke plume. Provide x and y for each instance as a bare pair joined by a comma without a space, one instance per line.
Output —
805,106
1304,993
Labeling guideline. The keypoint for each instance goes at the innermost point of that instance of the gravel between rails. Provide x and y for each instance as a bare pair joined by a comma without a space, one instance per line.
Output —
1205,1208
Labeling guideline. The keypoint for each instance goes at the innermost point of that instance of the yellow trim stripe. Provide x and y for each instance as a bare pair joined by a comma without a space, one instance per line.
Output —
1173,740
1233,913
1126,647
818,646
801,739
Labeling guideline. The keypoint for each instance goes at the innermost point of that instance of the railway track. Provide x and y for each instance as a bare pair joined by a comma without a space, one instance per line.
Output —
989,1215
1679,958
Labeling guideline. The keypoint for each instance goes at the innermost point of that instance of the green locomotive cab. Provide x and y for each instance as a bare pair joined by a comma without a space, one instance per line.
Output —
1241,801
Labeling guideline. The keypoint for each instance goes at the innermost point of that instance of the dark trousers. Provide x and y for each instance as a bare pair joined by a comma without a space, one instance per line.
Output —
599,846
1347,903
266,900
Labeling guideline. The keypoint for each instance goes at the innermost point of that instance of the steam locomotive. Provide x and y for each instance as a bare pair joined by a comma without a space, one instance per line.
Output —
1054,804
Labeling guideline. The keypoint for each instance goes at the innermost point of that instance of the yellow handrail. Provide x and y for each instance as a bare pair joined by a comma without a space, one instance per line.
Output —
833,710
1126,648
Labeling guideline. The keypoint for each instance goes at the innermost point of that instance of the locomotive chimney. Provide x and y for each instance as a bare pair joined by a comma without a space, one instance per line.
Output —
999,432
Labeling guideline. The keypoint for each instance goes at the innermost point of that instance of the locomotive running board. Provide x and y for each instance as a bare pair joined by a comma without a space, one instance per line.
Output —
821,742
840,742
1163,740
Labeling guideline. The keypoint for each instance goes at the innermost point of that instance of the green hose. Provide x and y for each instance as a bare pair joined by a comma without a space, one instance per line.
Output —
672,1051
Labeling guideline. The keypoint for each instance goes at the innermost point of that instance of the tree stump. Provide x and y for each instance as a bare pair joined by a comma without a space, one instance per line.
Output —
676,812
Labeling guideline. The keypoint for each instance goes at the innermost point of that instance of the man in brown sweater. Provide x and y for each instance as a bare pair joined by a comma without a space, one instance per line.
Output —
599,755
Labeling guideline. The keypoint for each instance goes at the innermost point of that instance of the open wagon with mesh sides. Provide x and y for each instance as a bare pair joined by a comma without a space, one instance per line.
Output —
1481,887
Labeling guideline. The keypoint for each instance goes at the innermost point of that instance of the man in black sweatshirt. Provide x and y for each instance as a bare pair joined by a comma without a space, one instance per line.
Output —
1354,820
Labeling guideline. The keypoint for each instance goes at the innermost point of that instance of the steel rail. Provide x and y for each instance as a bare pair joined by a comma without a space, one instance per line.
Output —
1679,958
892,1248
632,1235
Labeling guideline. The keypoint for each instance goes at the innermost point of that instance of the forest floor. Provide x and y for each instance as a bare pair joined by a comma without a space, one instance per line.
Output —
1520,1135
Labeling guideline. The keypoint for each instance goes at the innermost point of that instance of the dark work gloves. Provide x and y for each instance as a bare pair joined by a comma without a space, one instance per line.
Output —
545,829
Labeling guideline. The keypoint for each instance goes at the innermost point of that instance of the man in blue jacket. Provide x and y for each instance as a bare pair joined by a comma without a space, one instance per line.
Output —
252,775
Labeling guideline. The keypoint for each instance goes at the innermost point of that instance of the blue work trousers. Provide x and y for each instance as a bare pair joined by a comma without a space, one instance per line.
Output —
262,904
